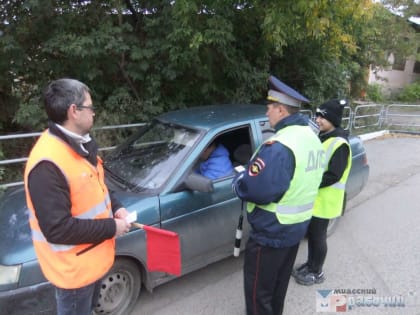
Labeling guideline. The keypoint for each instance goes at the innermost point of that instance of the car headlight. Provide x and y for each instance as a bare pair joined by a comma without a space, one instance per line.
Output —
9,274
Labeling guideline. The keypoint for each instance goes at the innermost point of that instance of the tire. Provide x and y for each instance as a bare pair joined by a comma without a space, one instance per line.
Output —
120,289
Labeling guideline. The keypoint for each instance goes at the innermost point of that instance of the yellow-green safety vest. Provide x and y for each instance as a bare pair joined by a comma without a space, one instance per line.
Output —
297,203
329,202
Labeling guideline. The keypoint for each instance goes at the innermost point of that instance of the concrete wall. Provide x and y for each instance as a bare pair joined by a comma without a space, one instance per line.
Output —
393,81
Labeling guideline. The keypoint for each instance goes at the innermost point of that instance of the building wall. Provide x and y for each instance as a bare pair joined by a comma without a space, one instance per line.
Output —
393,81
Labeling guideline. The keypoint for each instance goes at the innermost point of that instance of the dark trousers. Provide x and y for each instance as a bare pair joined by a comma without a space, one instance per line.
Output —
266,277
317,244
79,301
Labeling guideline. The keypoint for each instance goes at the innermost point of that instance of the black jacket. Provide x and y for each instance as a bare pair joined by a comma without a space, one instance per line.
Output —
338,161
51,199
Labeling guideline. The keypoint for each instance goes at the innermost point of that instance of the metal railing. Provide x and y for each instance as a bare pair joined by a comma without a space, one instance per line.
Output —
6,162
394,117
367,116
403,116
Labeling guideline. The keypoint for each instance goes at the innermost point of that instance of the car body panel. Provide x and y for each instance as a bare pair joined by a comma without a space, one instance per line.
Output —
359,172
203,223
16,233
32,299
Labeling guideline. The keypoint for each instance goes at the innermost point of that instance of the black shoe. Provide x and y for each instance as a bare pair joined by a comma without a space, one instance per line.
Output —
303,268
310,278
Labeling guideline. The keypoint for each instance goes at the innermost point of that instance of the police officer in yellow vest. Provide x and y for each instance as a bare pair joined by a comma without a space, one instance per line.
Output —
330,199
279,186
73,218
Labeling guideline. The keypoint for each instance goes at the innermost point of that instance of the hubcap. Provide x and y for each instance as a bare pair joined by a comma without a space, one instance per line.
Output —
114,292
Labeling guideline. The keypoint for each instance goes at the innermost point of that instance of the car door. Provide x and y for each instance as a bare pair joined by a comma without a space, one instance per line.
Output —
205,221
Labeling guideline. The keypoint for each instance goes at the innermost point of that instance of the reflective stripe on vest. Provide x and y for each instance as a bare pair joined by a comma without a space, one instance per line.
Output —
63,264
293,209
296,204
37,235
330,199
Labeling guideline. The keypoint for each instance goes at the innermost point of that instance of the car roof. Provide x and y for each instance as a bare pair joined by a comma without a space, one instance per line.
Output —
211,116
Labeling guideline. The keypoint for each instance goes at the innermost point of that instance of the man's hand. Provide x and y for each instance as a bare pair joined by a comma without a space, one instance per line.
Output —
235,180
122,225
121,213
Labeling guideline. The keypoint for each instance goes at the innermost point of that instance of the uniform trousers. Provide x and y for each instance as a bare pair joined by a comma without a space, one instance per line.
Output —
266,277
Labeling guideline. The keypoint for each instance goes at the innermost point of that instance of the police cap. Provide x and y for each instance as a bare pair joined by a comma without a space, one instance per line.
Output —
282,93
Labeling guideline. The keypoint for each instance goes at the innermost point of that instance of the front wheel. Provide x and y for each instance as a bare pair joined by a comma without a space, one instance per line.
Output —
120,289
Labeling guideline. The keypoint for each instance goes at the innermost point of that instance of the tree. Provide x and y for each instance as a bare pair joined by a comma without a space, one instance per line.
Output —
326,50
144,57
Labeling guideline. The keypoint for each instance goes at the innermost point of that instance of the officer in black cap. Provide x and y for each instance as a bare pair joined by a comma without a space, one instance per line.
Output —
330,199
279,186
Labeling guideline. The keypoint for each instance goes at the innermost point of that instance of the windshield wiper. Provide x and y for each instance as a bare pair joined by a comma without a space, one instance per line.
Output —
125,183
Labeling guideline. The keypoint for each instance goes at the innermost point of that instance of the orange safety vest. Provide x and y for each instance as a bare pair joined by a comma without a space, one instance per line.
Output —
64,265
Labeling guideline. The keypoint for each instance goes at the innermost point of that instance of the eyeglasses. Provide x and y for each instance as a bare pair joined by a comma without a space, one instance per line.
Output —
87,107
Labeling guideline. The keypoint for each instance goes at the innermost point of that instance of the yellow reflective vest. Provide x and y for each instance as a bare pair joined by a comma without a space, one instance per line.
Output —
329,202
296,204
72,266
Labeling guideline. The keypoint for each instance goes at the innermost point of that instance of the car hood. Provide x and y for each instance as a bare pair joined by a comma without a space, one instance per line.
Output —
15,235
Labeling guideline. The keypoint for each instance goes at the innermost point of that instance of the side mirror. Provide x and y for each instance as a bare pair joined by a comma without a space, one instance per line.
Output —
198,182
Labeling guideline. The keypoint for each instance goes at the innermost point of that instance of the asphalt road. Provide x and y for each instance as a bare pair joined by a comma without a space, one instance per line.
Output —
375,248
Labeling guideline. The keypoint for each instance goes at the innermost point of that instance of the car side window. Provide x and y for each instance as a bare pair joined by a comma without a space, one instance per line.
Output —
224,152
214,161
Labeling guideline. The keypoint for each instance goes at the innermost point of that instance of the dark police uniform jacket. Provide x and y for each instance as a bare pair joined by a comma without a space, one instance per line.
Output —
279,170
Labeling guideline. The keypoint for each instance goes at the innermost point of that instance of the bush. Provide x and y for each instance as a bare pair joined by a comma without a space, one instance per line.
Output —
374,93
410,93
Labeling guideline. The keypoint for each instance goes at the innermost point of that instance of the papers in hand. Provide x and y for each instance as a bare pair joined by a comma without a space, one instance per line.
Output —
132,217
239,168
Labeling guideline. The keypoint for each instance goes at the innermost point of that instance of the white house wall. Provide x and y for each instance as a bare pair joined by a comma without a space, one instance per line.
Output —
393,81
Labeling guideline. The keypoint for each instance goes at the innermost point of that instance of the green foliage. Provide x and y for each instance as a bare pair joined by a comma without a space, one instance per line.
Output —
30,114
324,49
374,93
141,58
332,80
410,93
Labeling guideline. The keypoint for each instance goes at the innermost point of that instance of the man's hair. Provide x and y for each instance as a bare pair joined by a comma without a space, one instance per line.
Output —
291,109
60,94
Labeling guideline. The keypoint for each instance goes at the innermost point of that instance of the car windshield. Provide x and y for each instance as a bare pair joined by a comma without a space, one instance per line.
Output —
148,158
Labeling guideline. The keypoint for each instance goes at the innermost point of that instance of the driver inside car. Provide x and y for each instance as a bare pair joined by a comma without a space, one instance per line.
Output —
215,161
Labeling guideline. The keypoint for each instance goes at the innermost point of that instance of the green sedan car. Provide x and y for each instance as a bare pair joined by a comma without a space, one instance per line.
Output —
154,173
